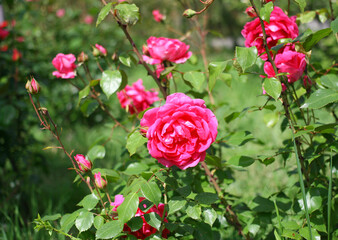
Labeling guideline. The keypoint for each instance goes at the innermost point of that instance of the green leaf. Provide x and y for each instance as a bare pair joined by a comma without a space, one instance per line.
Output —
109,230
136,168
206,198
110,174
306,17
125,61
291,234
83,93
110,81
301,4
98,221
153,219
210,216
305,233
151,192
314,38
271,119
196,79
68,220
175,204
242,161
51,217
265,11
89,201
273,87
330,81
135,223
313,200
88,107
134,141
277,235
128,13
334,25
128,208
246,57
261,204
96,152
194,211
240,138
93,83
213,160
215,69
103,13
84,221
320,98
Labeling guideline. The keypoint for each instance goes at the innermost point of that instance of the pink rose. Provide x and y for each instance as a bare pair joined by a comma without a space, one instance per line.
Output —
180,131
99,181
102,50
158,17
135,99
64,63
3,32
290,62
83,163
146,230
88,19
163,49
280,26
60,13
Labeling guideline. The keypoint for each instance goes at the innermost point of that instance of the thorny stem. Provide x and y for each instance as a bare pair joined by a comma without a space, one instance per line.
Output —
57,136
207,4
138,54
231,216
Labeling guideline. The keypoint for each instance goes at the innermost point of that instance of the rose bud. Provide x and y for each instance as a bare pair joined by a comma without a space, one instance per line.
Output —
84,164
82,57
33,86
250,11
99,181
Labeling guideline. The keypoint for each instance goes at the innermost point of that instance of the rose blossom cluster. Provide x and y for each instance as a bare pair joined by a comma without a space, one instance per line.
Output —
160,51
180,131
146,230
287,60
135,98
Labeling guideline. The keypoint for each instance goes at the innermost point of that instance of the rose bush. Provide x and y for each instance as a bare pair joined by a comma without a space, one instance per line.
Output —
180,131
135,98
65,65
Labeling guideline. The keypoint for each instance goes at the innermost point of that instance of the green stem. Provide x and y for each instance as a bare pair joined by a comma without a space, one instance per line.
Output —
302,185
329,201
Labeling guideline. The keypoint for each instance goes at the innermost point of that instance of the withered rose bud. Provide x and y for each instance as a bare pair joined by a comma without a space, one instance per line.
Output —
82,57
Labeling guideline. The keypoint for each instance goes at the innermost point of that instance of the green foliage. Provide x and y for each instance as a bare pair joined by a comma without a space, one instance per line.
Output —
128,13
110,82
273,87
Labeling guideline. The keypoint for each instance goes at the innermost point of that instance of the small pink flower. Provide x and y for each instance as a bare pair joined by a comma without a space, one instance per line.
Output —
180,131
64,63
135,98
60,12
83,163
250,11
163,49
16,55
118,201
101,49
158,17
99,181
280,26
146,230
88,19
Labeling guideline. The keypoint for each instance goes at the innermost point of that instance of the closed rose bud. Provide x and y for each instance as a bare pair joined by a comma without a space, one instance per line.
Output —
96,52
33,86
82,57
16,55
102,50
251,12
83,163
189,13
99,181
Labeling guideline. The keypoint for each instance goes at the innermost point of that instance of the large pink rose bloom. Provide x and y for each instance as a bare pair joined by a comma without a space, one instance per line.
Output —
64,63
290,62
180,131
280,26
146,230
163,49
135,98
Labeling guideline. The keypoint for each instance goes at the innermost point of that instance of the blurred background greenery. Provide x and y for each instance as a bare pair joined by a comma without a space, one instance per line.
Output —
34,180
